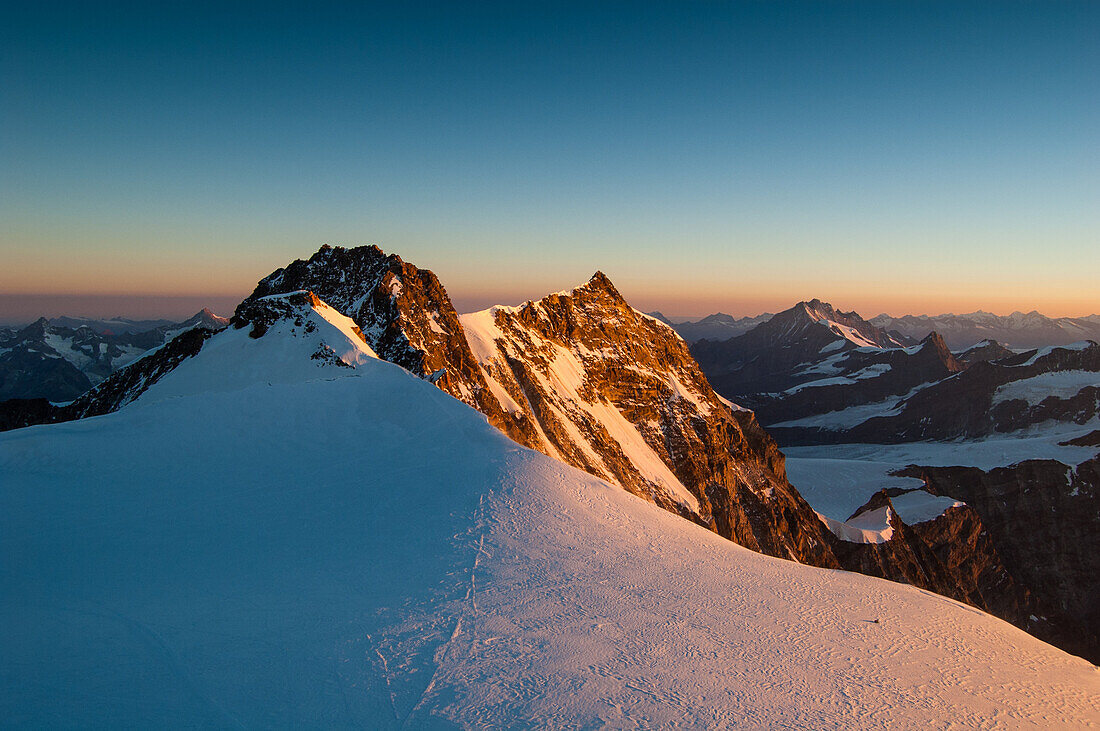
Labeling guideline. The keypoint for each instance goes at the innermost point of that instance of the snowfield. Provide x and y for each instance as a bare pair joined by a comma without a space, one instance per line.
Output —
837,479
1060,384
331,546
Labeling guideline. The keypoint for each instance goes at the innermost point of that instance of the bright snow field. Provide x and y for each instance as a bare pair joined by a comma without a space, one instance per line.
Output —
353,547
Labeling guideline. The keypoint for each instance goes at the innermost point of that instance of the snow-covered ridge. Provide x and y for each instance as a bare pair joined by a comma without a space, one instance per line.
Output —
847,325
288,338
1040,353
368,552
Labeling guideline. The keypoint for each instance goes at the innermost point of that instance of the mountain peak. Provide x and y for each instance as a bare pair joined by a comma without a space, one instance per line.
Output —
935,343
599,280
599,285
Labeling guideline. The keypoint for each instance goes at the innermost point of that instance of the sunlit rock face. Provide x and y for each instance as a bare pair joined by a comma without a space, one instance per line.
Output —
406,317
616,393
582,377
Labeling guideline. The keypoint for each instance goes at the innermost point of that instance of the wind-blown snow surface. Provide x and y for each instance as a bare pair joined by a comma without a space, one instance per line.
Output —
357,548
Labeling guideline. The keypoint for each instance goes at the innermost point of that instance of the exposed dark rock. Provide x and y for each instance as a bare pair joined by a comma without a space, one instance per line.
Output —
117,390
1092,439
963,406
1041,517
29,374
983,352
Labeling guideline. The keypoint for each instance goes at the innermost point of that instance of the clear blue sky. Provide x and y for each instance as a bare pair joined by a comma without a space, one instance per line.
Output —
886,156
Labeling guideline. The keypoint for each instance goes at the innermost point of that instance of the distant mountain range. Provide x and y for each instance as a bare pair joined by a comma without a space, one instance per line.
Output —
1018,330
819,378
718,326
60,359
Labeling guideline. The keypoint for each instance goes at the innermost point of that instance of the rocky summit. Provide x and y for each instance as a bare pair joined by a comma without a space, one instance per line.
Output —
616,393
583,377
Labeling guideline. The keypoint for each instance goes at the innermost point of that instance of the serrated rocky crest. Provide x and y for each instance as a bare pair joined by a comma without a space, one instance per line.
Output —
616,393
583,377
405,316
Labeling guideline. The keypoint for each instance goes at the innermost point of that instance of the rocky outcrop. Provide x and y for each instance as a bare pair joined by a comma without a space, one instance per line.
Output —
405,316
952,553
1092,439
982,401
17,413
584,378
863,376
1041,518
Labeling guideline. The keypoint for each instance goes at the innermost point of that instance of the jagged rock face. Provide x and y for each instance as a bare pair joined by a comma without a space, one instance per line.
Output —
617,394
904,557
1041,516
631,406
953,554
405,315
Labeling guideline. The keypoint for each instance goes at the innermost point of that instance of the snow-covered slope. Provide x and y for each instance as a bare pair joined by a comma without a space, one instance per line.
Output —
353,547
287,338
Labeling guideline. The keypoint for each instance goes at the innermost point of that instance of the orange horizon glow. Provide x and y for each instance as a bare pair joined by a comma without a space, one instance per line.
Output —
750,302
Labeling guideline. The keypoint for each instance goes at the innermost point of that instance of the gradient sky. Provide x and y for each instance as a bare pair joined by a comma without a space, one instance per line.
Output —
886,156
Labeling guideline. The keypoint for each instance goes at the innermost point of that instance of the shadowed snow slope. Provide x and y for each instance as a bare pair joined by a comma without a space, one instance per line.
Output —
354,547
